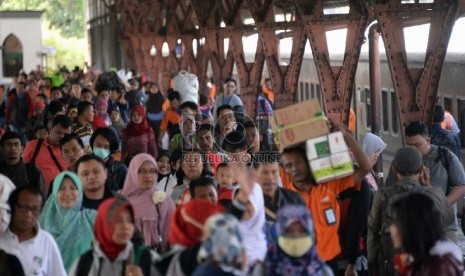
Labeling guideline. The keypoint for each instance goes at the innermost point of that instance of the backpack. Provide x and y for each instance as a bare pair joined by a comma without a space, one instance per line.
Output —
447,139
142,258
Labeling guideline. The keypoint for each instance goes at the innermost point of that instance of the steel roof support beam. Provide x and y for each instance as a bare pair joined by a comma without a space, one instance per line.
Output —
337,82
416,88
284,78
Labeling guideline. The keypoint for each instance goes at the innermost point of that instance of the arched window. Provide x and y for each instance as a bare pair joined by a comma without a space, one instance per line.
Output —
12,56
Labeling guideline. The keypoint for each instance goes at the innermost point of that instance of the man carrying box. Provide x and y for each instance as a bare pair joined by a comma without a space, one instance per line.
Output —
322,199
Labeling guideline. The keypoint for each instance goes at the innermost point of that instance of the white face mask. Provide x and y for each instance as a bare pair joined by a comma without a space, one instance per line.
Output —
295,247
102,153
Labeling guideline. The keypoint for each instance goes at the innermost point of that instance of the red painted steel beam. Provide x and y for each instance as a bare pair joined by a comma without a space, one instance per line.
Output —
284,78
416,88
336,82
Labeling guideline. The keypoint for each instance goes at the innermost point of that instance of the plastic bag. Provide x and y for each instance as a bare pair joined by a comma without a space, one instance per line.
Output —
187,85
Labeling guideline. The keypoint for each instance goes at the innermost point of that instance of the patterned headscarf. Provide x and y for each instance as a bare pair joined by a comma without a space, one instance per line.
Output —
6,188
224,244
278,262
72,228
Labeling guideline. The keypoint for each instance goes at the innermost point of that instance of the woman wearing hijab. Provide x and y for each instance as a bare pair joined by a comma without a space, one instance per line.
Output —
65,219
252,225
166,179
152,208
6,188
117,123
101,108
222,251
113,253
155,107
372,145
185,236
292,251
138,136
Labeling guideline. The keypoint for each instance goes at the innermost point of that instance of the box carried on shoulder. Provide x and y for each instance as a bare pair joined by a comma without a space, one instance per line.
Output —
295,124
329,157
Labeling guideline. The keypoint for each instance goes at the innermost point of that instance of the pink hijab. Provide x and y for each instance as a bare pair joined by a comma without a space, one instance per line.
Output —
152,220
140,198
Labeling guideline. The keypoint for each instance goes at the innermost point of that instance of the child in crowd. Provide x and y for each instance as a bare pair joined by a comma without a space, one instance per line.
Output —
41,132
117,123
204,188
226,183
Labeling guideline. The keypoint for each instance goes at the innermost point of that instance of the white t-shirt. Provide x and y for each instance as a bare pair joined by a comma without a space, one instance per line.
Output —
38,256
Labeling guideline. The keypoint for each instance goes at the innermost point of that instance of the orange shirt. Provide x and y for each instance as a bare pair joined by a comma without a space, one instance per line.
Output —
322,202
171,116
287,184
352,121
269,93
44,161
212,92
323,205
447,123
166,105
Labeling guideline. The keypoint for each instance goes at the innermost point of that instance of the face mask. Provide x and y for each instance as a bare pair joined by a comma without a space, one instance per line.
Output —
295,247
102,153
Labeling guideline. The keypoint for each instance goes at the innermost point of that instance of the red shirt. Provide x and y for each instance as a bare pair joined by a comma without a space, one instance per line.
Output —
44,160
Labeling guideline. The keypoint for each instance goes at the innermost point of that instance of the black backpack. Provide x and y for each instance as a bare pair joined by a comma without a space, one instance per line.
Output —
447,139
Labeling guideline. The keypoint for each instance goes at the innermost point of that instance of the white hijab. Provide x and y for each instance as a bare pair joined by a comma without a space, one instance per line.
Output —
371,143
6,187
252,229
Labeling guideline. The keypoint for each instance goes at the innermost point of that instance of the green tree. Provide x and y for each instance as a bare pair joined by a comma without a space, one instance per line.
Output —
70,51
64,15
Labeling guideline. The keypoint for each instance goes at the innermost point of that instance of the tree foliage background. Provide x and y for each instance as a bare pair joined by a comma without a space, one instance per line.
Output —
63,27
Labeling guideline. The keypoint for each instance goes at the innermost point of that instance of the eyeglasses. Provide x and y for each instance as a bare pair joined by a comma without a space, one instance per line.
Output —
24,209
149,172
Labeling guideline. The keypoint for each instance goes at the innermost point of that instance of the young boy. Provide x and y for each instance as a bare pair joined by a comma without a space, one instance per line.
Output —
41,132
203,188
226,182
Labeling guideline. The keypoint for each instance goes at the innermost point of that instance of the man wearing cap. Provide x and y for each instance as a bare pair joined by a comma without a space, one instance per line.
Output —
413,177
445,170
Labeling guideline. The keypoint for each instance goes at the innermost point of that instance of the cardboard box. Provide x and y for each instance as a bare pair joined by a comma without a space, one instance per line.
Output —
317,147
297,123
329,157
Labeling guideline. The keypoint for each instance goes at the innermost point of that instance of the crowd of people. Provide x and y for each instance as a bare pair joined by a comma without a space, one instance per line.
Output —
89,187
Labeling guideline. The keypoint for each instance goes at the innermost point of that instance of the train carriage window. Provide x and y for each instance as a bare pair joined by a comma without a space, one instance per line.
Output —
318,93
394,114
301,91
368,106
385,111
307,91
